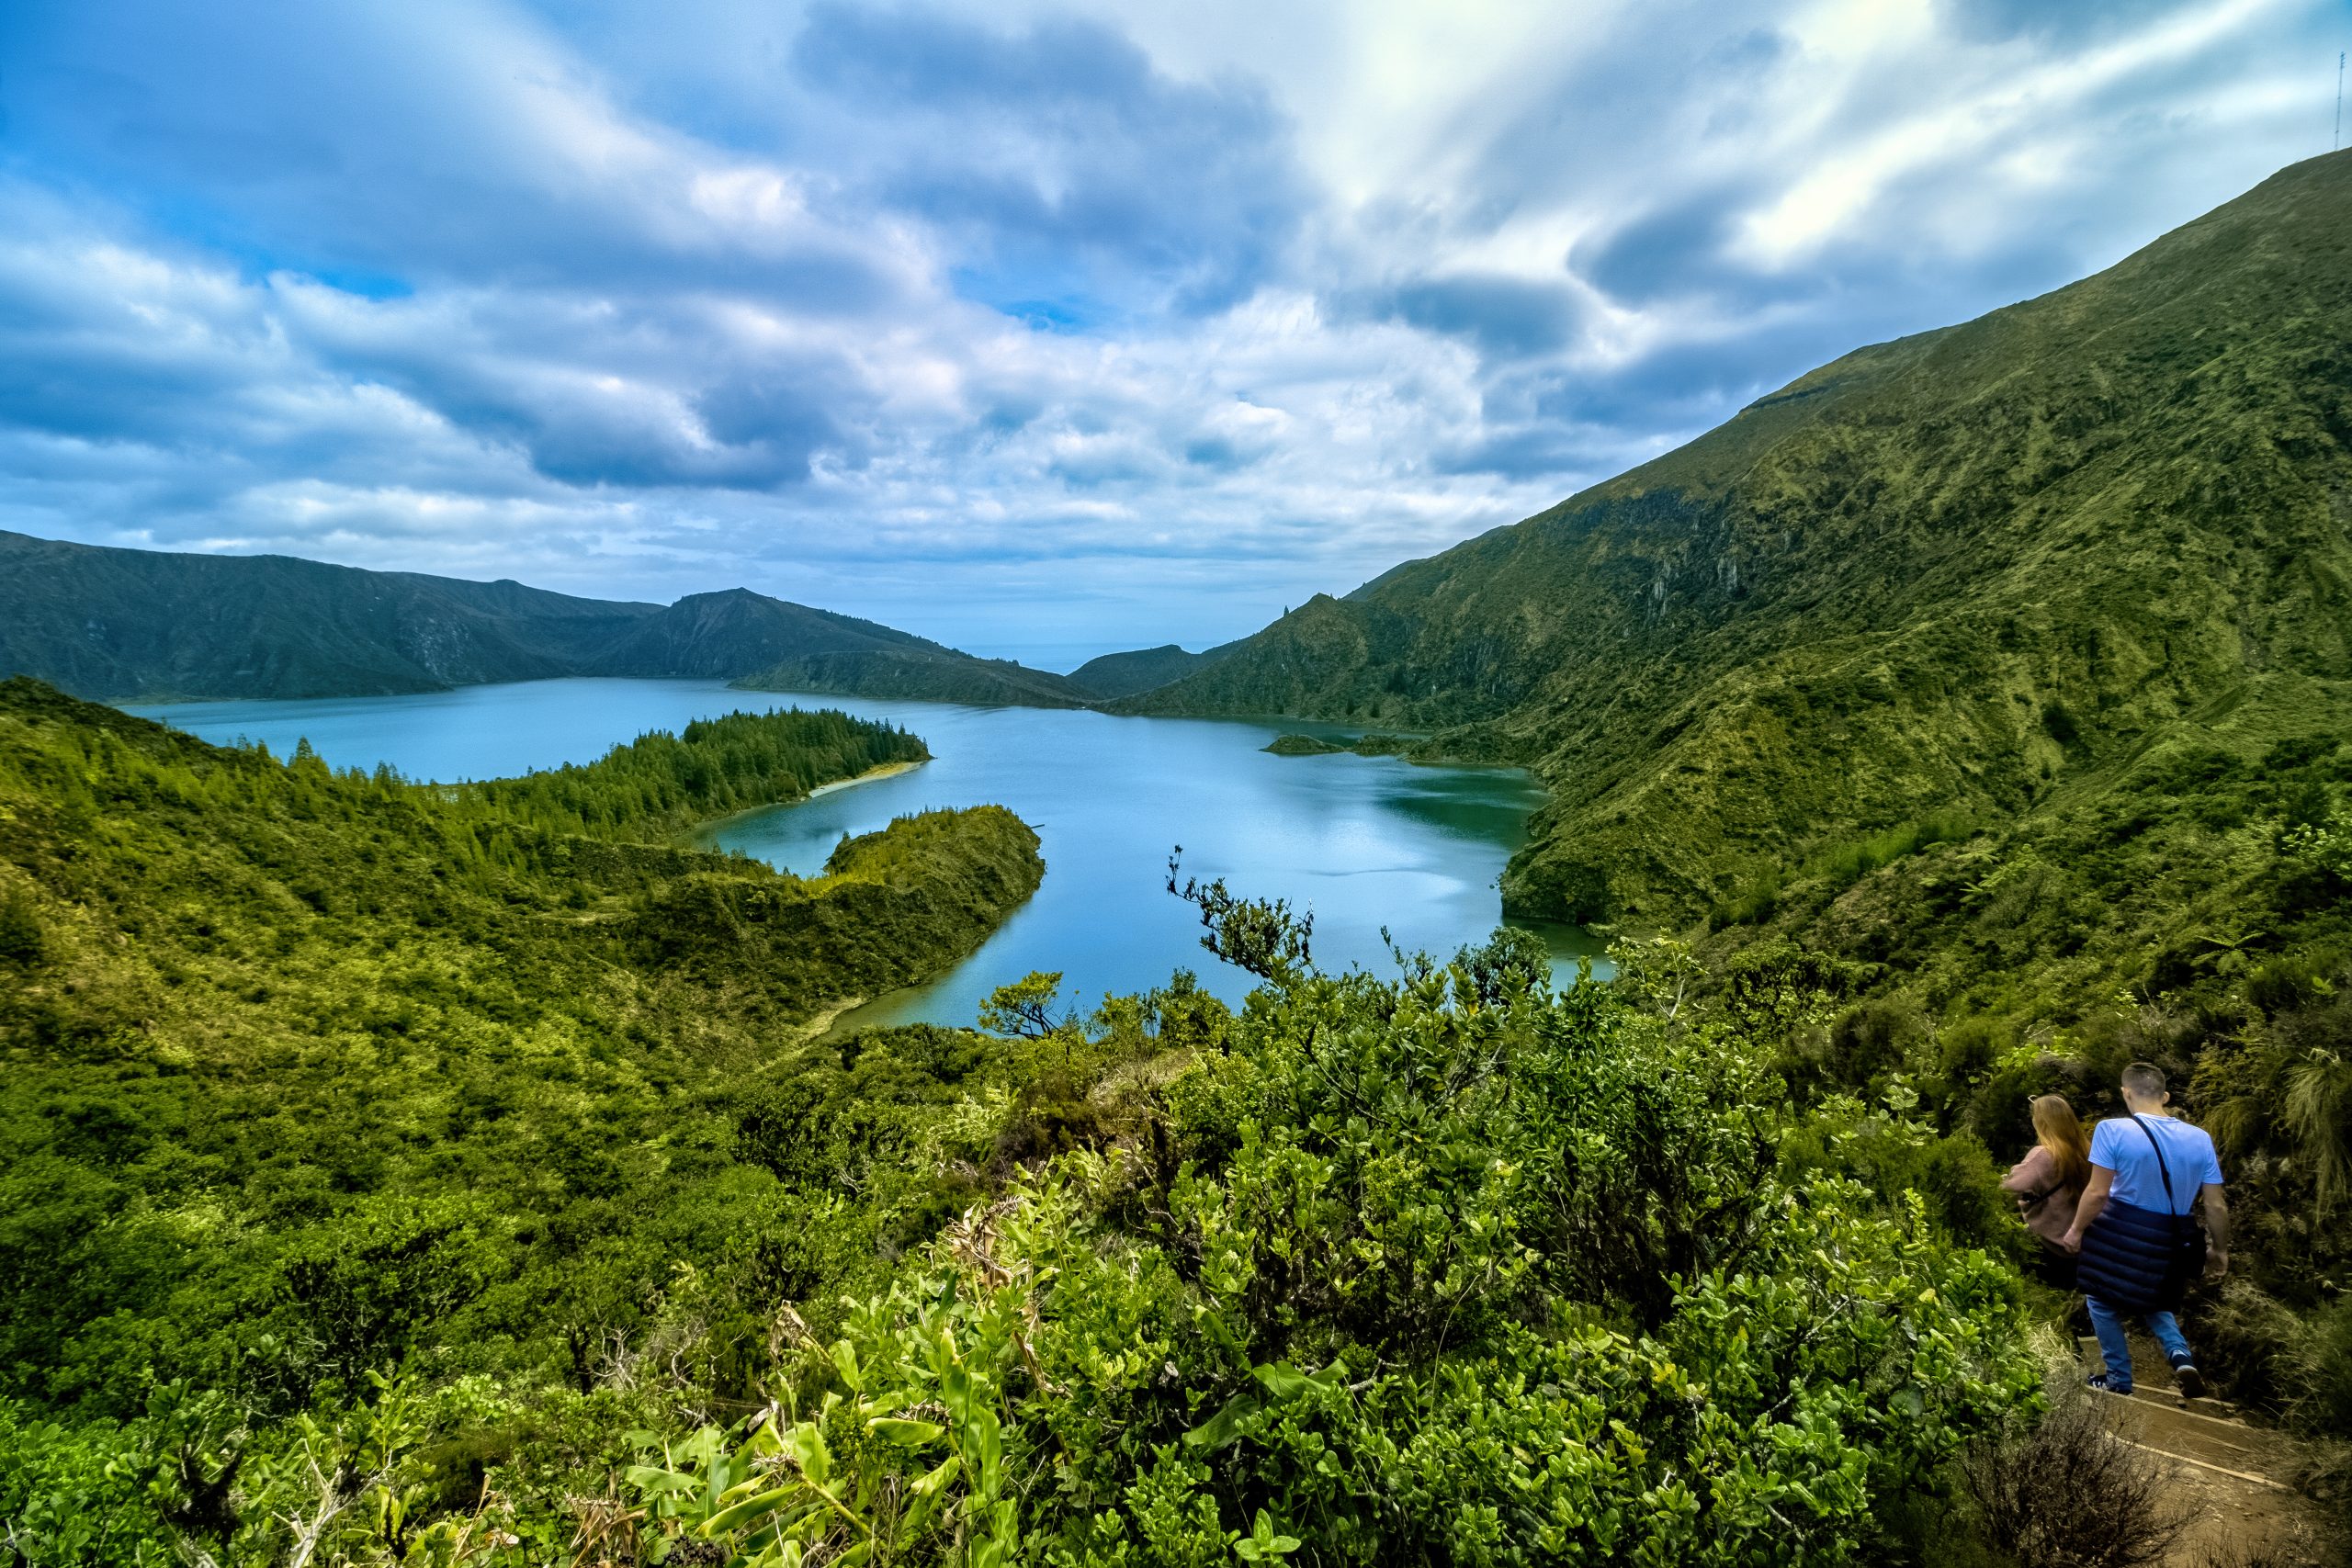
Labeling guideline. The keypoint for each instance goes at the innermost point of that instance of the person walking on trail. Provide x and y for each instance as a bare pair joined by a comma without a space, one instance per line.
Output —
2139,1249
2049,1184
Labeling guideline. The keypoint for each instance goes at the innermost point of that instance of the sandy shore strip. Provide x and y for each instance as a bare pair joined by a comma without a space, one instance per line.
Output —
818,1025
888,770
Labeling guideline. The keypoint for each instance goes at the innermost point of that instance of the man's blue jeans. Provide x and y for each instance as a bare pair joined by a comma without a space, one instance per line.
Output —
2116,1350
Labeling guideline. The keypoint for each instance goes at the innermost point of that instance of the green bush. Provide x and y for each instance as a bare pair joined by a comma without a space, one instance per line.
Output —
21,938
1449,1267
2319,1361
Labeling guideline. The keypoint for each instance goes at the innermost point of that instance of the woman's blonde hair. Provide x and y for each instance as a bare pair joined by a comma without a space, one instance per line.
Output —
2061,1131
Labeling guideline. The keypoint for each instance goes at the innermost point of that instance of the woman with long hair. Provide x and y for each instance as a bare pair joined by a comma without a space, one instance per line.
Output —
2049,1182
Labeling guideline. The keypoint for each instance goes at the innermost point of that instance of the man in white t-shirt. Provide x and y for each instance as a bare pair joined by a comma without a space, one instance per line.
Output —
2149,1164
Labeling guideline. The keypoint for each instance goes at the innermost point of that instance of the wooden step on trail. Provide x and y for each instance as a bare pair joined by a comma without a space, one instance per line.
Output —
2151,1379
2227,1471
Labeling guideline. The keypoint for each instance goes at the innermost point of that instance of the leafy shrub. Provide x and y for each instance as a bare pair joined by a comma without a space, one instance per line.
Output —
1448,1267
1755,900
1870,1040
69,1498
2319,1363
1968,1051
2290,981
1849,864
359,1292
22,940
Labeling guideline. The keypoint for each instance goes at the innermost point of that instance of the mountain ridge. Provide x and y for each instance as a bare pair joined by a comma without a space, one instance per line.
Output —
1114,675
1943,572
121,625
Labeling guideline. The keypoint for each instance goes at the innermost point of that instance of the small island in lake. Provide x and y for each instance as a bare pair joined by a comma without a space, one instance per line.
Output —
1316,746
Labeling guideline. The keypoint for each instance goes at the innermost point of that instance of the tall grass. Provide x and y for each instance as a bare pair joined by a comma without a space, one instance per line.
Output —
1841,866
1849,863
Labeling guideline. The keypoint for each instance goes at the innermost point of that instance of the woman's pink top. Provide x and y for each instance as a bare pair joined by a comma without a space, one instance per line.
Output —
2038,1172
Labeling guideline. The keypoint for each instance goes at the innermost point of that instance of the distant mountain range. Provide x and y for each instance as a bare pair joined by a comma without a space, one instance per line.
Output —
1117,676
131,625
1975,571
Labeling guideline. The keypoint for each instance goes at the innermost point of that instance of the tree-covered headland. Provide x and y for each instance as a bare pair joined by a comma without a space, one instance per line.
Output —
314,1077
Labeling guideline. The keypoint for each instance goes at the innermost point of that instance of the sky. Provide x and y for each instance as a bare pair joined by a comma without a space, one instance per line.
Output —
1041,328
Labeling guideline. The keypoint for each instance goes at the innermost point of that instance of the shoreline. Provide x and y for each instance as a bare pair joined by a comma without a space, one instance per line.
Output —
871,776
699,834
814,1029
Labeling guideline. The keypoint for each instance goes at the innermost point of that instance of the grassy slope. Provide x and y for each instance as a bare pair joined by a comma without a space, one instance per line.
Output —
265,1006
1971,569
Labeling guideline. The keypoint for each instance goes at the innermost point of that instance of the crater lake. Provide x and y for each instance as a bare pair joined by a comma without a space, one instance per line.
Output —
1363,842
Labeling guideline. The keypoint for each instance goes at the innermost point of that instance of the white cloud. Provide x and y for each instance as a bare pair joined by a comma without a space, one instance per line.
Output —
1148,321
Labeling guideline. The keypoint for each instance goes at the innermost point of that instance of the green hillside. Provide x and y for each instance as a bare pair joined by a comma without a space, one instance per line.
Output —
920,674
1978,572
1116,675
120,625
496,1039
738,632
153,625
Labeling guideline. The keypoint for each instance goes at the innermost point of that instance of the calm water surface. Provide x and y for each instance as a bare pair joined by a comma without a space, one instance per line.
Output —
1361,842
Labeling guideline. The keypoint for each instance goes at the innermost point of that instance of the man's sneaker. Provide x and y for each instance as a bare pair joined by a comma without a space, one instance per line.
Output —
2103,1383
2192,1380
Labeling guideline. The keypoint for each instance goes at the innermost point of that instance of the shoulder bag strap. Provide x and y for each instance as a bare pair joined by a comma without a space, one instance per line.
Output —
2162,1169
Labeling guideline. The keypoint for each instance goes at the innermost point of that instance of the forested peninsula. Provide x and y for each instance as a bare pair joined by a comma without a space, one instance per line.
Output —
310,1075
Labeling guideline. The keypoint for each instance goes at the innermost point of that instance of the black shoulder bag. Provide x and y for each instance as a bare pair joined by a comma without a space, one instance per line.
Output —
2185,1249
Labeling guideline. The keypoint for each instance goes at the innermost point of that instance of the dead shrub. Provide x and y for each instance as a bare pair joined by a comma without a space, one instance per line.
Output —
2296,1556
2070,1494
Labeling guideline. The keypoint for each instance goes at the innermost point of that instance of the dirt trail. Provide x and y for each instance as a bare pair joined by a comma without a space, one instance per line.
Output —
2234,1475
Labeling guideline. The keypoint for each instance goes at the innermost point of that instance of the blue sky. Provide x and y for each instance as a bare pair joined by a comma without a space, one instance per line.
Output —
1041,328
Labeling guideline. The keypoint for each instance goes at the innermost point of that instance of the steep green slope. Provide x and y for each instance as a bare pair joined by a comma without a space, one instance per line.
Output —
1953,573
119,625
487,1046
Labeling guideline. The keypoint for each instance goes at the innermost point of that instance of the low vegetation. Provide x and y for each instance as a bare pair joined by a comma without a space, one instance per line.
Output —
311,1077
1449,1267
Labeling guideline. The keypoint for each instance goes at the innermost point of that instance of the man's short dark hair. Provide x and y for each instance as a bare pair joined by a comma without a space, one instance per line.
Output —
2144,1079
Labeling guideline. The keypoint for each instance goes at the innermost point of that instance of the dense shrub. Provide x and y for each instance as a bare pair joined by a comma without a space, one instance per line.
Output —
1448,1267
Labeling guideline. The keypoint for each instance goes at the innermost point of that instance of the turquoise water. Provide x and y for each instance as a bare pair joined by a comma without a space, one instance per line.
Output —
1361,842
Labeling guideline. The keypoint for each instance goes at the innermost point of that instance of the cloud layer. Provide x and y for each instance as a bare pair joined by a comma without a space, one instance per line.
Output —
1043,330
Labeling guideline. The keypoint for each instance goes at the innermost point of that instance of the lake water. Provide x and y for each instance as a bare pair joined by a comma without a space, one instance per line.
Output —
1361,842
